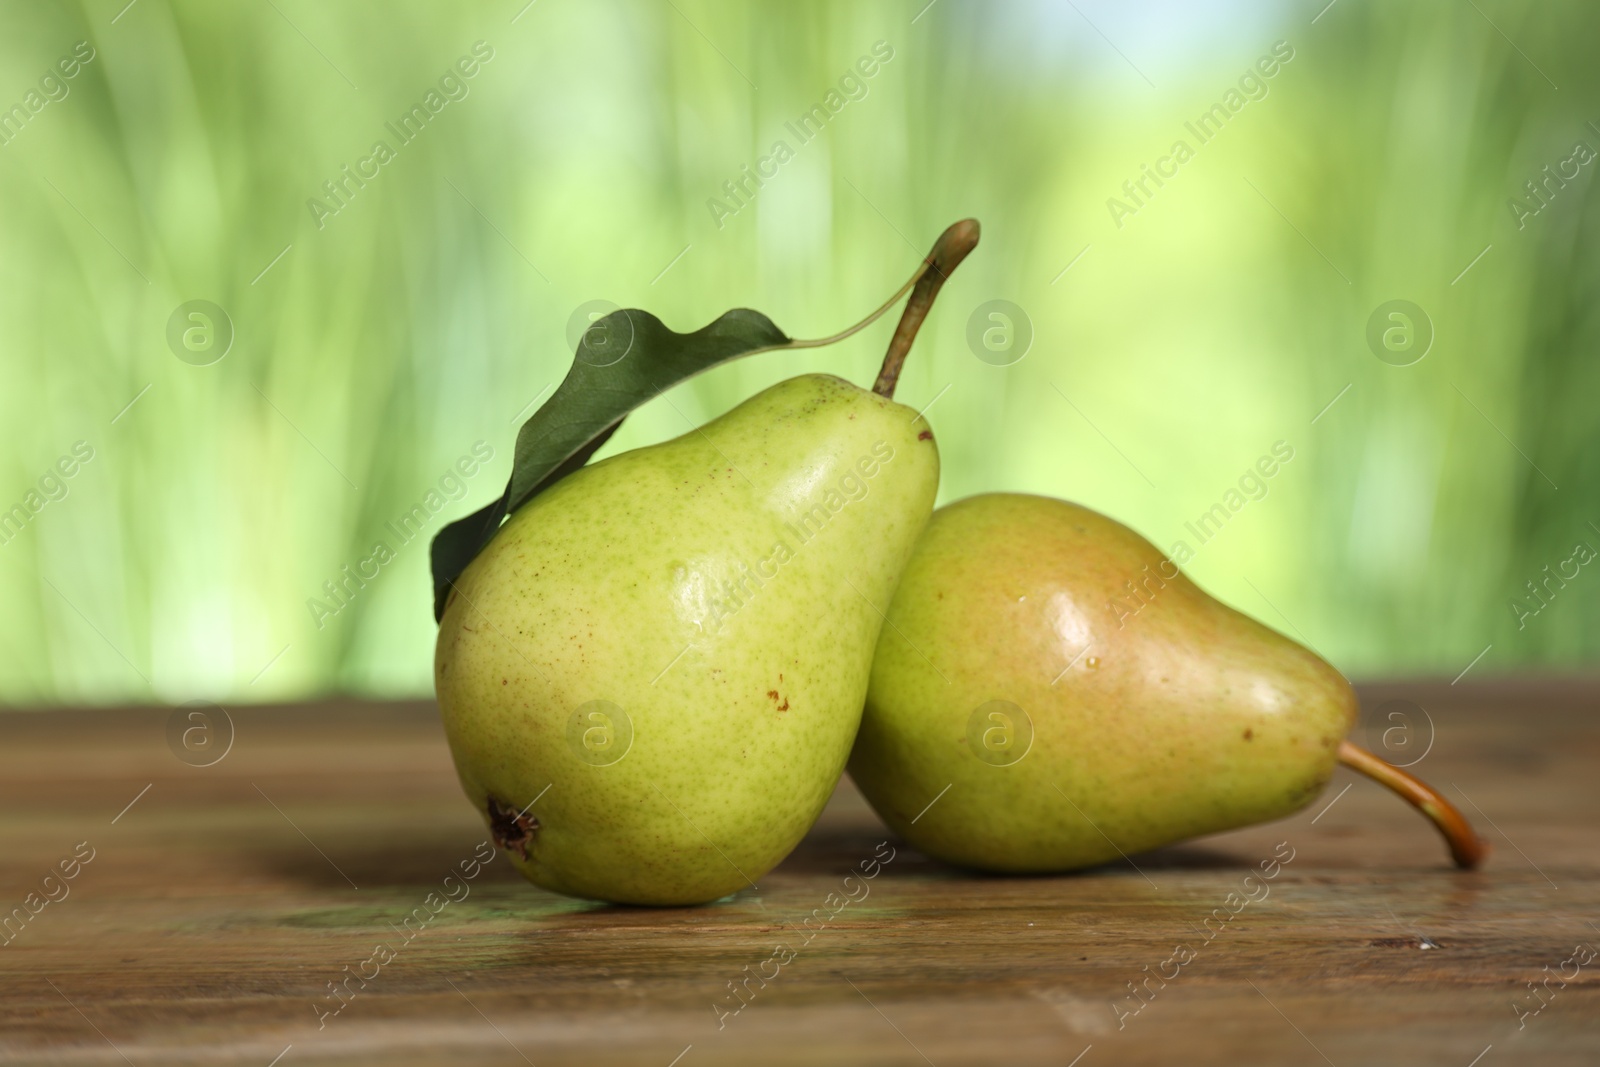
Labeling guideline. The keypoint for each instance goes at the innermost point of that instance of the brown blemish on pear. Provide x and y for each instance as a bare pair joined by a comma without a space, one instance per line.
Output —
511,829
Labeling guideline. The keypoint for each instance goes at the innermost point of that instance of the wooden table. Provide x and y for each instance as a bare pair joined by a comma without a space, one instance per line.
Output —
221,901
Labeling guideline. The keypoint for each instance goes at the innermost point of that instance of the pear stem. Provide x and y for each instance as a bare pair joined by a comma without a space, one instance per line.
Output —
1466,847
948,252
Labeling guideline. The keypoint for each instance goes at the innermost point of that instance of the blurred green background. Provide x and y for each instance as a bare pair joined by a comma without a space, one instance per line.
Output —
1171,346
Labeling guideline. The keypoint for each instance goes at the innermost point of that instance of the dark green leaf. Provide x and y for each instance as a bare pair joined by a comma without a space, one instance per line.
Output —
623,360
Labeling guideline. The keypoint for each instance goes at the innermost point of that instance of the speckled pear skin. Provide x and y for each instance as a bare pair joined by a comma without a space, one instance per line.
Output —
618,584
1183,718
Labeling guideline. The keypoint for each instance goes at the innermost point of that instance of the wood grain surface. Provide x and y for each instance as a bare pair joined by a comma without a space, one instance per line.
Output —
220,902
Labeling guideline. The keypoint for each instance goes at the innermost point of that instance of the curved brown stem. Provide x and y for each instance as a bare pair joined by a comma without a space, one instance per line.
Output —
1466,847
948,252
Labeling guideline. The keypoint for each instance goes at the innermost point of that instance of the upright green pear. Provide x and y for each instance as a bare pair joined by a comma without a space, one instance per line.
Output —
651,677
1052,692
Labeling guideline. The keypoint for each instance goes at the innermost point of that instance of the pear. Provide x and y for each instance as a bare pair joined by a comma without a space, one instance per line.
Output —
651,677
1050,692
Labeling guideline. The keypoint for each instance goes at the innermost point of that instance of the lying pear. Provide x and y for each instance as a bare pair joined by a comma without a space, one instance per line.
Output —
1051,692
669,649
